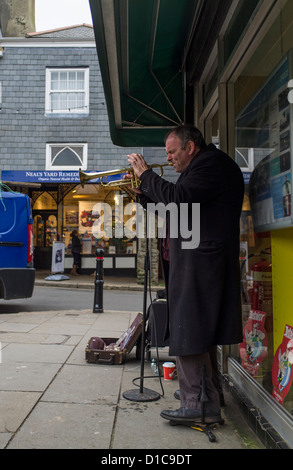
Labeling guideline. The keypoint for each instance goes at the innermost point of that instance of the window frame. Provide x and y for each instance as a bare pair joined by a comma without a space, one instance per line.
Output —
66,112
51,167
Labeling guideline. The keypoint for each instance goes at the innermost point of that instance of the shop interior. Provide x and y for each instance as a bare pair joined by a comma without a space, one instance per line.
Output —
59,211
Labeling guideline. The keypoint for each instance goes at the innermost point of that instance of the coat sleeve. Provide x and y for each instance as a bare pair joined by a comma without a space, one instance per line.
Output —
203,180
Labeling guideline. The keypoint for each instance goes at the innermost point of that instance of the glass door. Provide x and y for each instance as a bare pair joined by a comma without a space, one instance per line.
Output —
45,228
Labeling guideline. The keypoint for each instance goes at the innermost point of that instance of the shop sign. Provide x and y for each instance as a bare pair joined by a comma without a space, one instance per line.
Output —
31,176
48,176
282,365
254,348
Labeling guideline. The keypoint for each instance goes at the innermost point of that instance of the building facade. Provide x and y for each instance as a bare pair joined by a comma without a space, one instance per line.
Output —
53,122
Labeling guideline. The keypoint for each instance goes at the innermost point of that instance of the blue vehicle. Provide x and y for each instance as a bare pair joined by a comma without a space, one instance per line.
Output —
17,274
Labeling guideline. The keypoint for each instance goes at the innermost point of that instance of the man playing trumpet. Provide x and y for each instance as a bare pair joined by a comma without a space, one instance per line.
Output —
202,284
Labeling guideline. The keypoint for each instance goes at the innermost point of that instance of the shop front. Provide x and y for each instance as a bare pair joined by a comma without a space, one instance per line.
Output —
237,65
260,101
60,205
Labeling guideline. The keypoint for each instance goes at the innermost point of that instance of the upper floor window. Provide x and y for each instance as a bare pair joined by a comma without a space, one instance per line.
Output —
67,91
66,156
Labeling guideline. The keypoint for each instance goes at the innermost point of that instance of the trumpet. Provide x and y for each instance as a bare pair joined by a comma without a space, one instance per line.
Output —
101,175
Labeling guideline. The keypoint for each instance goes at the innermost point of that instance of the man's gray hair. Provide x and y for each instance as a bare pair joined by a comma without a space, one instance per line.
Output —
186,134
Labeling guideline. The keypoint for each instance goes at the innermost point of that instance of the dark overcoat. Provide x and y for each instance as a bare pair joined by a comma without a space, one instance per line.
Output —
203,283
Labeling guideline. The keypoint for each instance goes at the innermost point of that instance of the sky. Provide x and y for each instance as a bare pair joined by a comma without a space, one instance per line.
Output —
58,13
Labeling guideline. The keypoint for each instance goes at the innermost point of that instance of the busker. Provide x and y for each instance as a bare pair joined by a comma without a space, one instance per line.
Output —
202,283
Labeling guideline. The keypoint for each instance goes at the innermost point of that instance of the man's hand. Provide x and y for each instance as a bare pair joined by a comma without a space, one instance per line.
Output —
139,166
129,177
138,163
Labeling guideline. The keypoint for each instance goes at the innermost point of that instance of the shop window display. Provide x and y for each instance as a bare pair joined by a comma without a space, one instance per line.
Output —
266,354
256,353
264,119
93,211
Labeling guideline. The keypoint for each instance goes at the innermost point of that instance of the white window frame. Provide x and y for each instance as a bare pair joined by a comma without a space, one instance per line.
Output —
66,111
82,165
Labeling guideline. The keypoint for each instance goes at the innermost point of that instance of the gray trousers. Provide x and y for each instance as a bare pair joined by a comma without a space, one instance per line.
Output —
189,371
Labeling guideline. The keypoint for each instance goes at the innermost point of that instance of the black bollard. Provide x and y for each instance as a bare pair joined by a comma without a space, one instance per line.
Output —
98,301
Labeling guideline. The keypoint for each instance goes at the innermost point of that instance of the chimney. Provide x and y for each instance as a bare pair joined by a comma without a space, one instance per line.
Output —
17,17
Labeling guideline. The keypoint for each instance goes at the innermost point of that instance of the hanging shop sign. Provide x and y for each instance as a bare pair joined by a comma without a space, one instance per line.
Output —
282,366
254,348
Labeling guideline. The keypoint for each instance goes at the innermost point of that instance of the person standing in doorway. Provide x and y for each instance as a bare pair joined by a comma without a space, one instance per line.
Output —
76,253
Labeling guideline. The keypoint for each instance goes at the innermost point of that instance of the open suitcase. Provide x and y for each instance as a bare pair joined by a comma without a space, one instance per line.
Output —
114,350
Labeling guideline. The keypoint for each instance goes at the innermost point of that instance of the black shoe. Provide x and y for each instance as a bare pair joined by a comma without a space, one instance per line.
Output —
177,394
190,415
222,399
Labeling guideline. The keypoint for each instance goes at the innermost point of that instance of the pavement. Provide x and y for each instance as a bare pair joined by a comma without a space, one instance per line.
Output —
52,398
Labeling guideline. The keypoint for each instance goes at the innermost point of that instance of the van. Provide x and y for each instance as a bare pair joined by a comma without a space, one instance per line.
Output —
17,274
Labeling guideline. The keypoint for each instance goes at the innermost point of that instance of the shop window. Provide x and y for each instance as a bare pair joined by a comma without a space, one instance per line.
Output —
236,27
256,353
98,214
67,91
66,156
264,147
45,229
45,219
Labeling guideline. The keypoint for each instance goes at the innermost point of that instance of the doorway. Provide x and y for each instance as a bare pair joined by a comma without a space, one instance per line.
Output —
45,233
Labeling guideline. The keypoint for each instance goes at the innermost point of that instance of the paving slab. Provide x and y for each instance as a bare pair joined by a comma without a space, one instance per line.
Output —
34,376
4,439
26,353
54,327
9,337
26,317
66,426
17,326
14,408
68,340
86,383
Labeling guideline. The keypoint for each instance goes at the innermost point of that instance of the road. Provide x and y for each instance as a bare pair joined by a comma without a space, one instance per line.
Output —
54,298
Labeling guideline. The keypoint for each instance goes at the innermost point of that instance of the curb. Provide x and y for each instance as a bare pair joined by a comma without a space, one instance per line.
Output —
80,285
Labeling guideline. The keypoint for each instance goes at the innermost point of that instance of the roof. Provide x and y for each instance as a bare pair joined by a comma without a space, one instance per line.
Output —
79,31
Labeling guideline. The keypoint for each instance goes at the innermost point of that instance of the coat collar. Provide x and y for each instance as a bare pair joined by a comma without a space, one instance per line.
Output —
207,148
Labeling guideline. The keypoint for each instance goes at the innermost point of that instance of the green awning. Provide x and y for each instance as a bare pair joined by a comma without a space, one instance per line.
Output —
142,47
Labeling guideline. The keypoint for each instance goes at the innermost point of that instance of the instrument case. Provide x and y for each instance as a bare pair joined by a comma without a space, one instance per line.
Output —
157,319
114,350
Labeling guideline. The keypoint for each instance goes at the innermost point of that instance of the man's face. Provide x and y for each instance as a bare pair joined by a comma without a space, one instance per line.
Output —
179,158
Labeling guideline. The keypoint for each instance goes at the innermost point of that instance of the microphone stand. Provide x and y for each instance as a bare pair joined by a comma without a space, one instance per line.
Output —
143,394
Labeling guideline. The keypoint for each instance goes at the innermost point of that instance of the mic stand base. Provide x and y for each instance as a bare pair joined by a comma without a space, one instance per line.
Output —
145,395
